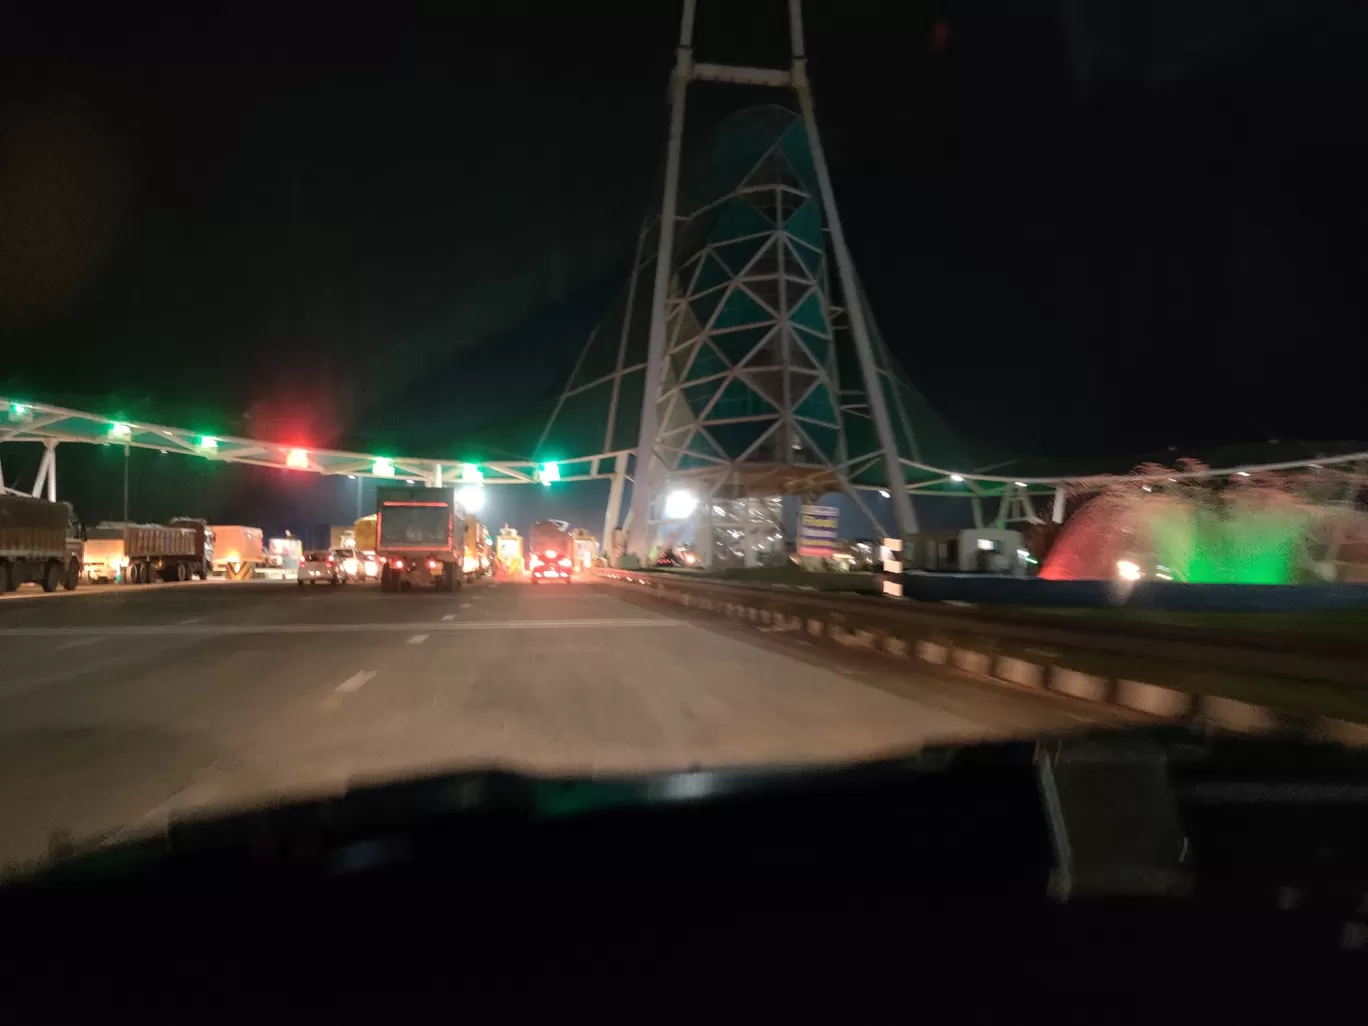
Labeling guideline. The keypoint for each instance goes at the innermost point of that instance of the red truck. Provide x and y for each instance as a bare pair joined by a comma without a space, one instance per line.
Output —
551,551
420,538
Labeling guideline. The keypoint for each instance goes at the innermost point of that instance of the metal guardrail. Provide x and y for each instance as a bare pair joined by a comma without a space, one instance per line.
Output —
1234,681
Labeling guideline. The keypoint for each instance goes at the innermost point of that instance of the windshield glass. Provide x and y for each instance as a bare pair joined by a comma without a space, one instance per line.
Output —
1011,386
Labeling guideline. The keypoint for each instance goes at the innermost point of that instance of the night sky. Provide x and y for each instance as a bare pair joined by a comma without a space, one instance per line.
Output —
1087,229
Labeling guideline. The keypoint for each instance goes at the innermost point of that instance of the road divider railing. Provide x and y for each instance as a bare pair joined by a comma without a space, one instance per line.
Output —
1244,683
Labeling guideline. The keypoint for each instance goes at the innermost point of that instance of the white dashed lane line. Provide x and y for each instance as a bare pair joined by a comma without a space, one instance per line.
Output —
417,639
449,617
356,681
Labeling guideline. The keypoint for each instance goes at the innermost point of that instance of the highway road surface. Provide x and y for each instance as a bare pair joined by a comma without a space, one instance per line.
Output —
122,708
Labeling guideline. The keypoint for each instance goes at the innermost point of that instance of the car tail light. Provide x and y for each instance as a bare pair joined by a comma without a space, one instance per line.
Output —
550,553
433,564
330,559
536,562
398,564
565,562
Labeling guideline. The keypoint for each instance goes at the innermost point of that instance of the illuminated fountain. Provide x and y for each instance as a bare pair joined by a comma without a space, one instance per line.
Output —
1266,530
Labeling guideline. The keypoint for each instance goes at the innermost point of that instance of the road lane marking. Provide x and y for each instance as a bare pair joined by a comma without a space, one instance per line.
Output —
202,630
356,681
194,619
451,616
75,644
464,605
417,639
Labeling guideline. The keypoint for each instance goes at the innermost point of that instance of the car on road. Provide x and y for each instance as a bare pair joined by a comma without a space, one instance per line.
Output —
352,563
318,568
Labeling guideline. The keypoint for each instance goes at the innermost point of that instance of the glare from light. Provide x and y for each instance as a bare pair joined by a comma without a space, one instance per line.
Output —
208,442
1128,571
1242,473
549,472
472,497
471,473
382,467
298,459
680,504
120,430
1020,484
19,409
883,493
957,478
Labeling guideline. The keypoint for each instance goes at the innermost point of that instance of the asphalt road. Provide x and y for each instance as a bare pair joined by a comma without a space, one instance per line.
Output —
120,708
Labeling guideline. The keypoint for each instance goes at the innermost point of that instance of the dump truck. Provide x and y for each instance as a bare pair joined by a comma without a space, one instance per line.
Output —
420,538
551,551
142,553
39,542
363,533
478,557
238,550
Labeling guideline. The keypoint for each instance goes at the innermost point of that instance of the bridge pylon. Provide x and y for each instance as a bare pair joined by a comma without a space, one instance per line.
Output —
741,361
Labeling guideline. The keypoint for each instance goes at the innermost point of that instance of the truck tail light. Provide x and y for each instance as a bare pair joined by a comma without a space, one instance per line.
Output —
565,561
535,562
398,564
433,564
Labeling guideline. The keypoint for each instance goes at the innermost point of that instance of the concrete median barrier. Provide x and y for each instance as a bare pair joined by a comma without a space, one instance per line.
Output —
1231,684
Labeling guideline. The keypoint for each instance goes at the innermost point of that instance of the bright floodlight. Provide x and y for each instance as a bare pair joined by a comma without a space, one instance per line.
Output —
206,442
297,459
680,504
471,473
1127,571
549,472
957,478
120,430
383,468
471,497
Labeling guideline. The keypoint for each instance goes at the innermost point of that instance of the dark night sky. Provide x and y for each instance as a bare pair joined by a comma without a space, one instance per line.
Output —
1082,234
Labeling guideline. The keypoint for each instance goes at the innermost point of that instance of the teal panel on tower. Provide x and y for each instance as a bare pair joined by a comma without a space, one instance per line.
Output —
825,439
738,399
809,313
739,217
809,258
740,309
805,223
818,347
704,305
706,363
794,145
817,405
737,345
736,255
737,438
712,273
700,444
698,396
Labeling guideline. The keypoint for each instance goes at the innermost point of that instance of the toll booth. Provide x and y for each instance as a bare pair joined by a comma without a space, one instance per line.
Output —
508,552
585,547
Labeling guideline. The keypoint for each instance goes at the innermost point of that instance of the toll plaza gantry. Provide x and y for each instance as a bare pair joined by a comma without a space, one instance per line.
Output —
50,426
